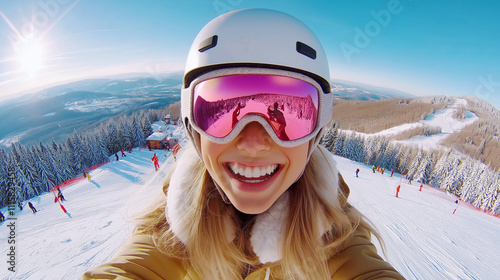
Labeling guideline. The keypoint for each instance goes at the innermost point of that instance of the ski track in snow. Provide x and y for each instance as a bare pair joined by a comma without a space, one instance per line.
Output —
442,118
424,240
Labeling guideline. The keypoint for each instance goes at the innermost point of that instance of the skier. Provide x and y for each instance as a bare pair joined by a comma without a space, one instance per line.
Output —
373,168
123,154
421,185
84,174
383,169
155,161
60,195
392,172
32,207
357,171
117,158
410,179
397,190
2,217
242,203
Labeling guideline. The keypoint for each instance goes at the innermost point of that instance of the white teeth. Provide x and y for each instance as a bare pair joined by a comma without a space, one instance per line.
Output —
252,172
256,172
248,172
270,169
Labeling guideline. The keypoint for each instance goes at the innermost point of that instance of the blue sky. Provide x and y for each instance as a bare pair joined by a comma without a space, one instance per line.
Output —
420,47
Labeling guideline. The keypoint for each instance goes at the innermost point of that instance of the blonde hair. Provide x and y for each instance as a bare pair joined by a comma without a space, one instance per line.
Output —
306,246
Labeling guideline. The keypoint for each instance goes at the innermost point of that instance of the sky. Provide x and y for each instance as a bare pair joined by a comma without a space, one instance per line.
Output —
416,46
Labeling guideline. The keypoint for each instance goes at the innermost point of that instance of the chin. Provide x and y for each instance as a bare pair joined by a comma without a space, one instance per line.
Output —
252,206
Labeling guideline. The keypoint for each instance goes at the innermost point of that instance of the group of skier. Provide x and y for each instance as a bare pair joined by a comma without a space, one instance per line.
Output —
381,170
20,205
60,197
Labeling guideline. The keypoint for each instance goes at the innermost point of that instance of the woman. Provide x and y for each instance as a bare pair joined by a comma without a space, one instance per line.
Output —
246,202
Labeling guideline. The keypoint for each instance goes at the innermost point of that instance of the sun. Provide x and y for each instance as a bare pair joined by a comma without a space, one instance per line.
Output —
30,57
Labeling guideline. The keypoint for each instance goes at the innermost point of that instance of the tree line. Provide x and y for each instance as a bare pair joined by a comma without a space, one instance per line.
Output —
28,171
455,173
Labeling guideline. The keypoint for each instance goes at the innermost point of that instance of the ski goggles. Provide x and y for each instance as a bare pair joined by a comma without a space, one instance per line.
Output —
287,107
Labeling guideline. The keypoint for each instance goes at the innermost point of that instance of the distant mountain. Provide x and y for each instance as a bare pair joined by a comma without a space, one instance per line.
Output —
57,111
358,91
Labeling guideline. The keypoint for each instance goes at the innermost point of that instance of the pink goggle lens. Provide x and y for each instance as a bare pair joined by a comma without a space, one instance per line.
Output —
289,105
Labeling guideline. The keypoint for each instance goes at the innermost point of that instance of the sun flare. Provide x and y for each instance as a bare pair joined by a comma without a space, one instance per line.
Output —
30,57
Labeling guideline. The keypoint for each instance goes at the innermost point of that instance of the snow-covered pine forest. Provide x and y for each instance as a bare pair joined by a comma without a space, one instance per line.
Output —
39,168
459,174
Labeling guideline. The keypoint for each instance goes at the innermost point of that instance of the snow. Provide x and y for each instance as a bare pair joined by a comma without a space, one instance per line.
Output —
424,239
53,245
157,136
444,119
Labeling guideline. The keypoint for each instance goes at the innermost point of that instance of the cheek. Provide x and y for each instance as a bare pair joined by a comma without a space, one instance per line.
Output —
210,152
298,158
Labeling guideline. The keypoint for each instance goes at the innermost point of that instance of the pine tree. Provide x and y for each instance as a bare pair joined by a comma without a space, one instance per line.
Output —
422,173
359,149
390,156
328,139
471,180
406,154
137,134
34,177
21,188
126,132
348,147
496,203
415,161
46,183
370,151
4,177
449,183
46,155
112,136
146,128
339,143
431,160
439,172
101,152
489,186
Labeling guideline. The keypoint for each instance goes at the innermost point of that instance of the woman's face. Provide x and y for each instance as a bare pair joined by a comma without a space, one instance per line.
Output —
252,170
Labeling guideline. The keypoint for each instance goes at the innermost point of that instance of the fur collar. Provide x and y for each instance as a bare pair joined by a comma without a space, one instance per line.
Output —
268,229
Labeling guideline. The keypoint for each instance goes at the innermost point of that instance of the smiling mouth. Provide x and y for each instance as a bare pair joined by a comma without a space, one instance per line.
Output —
254,174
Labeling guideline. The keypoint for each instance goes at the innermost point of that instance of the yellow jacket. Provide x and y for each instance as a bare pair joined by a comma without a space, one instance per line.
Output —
140,259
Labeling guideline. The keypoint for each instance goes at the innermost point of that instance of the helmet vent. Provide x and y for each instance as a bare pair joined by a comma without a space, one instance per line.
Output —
208,43
306,50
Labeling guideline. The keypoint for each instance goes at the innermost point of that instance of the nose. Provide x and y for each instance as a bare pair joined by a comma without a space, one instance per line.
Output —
253,139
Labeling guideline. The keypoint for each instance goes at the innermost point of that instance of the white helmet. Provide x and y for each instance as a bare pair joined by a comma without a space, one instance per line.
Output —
257,41
257,38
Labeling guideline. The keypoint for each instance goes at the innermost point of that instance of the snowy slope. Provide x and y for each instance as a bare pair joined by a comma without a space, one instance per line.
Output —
442,118
424,239
54,245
